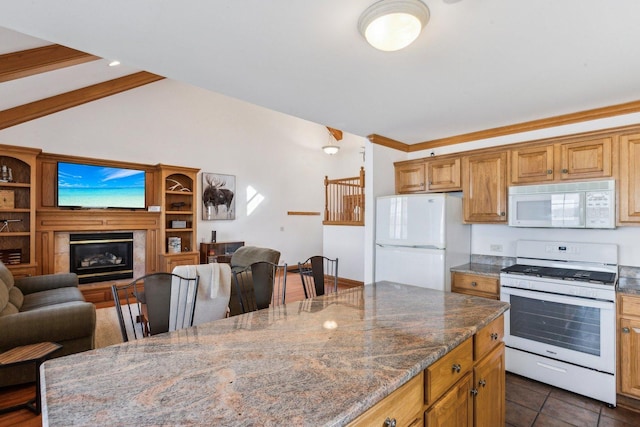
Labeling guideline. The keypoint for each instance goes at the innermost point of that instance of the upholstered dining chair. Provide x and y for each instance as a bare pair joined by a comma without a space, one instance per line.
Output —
260,284
319,275
144,306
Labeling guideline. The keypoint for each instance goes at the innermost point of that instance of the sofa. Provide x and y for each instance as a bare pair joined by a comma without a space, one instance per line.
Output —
42,308
242,258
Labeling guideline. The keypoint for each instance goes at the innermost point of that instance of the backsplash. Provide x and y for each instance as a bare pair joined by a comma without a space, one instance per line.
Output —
502,261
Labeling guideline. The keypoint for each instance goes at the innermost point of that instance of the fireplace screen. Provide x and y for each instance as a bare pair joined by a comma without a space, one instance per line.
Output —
99,257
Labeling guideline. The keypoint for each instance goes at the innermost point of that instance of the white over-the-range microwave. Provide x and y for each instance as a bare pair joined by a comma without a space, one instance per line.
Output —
588,204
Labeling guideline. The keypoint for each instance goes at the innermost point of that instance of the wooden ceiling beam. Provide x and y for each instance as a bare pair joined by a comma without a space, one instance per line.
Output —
29,62
34,110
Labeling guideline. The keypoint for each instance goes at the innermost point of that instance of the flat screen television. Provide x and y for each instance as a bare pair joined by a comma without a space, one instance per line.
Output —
91,186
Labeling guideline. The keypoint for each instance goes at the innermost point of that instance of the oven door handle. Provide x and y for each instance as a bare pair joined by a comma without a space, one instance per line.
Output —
565,299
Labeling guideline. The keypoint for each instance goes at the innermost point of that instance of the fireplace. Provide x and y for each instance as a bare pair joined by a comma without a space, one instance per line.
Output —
98,257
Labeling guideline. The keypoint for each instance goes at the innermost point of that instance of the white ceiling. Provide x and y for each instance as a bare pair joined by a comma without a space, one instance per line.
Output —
479,64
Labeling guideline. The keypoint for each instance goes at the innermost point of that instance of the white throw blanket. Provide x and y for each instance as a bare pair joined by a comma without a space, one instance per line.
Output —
214,290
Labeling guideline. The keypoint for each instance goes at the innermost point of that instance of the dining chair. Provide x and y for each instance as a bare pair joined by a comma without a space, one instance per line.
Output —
319,275
155,303
260,284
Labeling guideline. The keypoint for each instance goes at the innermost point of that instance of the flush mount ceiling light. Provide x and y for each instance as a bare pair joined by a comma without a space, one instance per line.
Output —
393,24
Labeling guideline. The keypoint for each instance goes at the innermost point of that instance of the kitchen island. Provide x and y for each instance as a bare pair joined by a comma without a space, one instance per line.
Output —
320,361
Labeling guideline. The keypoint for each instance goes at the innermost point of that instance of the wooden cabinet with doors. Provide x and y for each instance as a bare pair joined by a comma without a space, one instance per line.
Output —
428,175
410,177
484,186
629,183
475,284
178,217
18,209
403,407
476,396
629,345
589,158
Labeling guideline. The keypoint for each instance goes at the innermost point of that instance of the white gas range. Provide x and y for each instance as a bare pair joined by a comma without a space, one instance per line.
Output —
560,328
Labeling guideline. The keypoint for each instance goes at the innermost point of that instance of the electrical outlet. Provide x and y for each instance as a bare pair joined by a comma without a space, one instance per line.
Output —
495,248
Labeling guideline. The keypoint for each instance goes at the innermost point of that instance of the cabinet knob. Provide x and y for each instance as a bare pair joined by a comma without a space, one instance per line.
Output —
430,182
474,392
494,336
474,284
456,368
482,383
565,170
390,422
549,171
625,330
502,214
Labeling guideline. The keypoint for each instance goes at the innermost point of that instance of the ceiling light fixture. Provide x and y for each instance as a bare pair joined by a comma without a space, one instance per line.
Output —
114,63
331,149
391,25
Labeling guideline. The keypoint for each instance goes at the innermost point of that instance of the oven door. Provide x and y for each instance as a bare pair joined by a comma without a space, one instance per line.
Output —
566,328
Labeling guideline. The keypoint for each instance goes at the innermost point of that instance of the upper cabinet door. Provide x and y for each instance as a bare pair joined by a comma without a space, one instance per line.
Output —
586,159
444,175
410,178
485,188
629,207
532,165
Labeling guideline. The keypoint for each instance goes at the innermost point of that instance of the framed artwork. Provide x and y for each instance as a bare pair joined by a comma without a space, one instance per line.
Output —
218,196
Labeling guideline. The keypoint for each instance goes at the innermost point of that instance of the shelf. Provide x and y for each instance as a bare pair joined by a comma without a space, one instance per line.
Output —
16,210
183,193
14,233
179,230
179,213
15,184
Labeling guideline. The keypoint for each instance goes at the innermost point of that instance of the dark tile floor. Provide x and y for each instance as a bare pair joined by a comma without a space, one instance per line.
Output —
530,403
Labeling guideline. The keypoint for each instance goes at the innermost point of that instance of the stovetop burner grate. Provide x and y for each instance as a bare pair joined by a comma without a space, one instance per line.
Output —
562,273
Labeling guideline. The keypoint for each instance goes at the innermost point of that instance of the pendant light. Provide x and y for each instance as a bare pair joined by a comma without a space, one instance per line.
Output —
391,25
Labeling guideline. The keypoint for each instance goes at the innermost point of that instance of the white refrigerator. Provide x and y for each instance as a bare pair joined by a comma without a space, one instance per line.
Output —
419,237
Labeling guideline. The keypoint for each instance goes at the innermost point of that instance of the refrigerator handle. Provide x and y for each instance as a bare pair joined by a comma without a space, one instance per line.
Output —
411,247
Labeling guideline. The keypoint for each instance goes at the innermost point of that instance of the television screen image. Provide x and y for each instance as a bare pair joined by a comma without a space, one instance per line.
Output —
91,186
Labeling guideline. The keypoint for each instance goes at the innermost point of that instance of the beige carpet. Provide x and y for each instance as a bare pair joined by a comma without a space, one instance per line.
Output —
107,327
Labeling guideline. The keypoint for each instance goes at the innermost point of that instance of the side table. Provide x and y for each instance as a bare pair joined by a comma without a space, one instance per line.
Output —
33,353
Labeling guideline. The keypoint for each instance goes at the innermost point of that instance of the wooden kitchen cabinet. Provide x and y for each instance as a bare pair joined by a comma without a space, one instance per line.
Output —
475,284
566,161
410,177
532,165
444,175
629,183
403,406
478,398
428,175
489,389
455,408
485,187
629,345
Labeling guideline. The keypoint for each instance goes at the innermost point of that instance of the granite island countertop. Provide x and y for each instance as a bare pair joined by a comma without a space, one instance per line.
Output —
317,362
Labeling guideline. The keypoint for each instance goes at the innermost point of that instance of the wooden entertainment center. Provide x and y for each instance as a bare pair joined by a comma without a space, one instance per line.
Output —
173,189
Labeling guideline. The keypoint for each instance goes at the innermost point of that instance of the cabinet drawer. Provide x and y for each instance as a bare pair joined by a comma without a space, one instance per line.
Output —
404,405
472,282
448,370
629,305
487,338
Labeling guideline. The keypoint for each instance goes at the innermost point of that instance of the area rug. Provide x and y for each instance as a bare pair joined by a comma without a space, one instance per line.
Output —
107,327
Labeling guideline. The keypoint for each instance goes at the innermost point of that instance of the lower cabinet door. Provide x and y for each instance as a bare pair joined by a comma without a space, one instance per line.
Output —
454,408
489,381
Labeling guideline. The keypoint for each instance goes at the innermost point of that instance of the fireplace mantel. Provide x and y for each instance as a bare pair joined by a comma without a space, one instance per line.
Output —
50,221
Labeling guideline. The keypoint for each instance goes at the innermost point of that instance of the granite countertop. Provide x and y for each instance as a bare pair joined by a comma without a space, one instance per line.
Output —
629,285
491,270
317,362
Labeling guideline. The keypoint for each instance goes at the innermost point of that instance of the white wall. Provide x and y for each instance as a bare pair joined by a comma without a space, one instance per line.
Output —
276,155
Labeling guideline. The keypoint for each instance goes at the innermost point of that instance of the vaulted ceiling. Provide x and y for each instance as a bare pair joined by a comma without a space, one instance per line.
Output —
479,65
